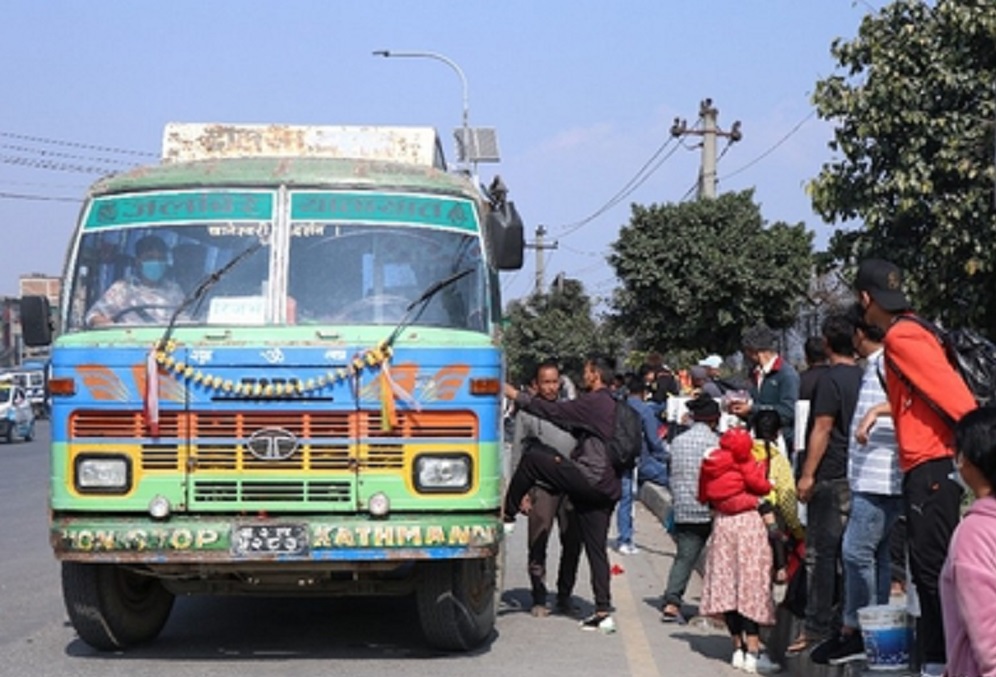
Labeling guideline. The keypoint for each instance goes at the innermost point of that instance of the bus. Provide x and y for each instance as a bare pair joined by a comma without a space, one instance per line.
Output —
279,371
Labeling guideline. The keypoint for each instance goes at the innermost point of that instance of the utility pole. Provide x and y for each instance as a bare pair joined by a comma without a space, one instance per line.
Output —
709,132
539,244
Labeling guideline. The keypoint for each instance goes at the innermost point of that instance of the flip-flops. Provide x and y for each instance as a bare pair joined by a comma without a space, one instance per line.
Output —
801,644
668,616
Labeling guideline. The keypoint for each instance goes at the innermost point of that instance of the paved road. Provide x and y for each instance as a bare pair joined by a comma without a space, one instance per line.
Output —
249,636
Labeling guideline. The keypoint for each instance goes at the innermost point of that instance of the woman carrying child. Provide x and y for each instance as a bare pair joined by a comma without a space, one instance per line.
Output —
737,582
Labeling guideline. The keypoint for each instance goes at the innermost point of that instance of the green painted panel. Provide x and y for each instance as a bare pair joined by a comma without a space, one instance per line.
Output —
172,207
446,212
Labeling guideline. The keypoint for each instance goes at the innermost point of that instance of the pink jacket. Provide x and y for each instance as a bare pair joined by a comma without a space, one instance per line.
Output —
968,593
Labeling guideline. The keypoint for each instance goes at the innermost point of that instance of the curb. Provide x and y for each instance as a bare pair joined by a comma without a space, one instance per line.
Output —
656,499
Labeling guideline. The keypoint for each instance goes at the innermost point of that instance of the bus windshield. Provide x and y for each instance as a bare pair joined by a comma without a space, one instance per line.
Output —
336,274
366,274
140,276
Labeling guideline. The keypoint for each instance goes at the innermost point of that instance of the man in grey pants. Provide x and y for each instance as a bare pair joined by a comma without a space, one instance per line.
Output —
548,503
692,520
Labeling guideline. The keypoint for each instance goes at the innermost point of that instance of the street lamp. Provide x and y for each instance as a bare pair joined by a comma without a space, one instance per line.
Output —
462,150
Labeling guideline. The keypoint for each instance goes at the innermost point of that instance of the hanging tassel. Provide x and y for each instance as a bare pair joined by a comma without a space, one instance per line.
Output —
388,411
151,402
399,392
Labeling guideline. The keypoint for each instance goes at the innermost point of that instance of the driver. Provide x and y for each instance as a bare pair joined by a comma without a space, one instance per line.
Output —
144,297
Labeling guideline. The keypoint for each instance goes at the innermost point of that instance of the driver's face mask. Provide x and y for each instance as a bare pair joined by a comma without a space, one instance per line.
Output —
153,270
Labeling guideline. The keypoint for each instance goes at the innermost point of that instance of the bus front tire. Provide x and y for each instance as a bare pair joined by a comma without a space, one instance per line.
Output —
112,607
456,602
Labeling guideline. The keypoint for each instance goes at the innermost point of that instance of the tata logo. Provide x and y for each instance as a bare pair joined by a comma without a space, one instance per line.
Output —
272,444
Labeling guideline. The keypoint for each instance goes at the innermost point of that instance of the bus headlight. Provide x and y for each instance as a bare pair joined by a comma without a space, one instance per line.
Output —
102,474
443,473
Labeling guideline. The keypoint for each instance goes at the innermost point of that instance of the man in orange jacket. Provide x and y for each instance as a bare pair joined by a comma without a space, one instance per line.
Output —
926,397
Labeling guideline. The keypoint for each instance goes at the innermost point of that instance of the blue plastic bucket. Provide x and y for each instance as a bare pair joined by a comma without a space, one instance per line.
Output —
886,636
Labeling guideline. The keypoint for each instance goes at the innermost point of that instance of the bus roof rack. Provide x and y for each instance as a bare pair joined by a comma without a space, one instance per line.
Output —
184,142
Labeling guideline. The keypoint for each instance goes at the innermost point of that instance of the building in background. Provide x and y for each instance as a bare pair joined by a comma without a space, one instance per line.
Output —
12,349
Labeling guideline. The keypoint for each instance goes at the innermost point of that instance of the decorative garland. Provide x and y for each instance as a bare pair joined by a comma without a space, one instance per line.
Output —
180,370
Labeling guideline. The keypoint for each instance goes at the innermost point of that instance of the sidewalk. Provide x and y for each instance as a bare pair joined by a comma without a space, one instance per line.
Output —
657,502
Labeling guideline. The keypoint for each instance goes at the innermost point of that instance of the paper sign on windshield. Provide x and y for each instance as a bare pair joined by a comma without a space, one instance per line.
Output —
237,310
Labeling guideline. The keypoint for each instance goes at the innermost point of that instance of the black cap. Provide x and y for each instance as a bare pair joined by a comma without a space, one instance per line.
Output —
760,337
884,283
703,408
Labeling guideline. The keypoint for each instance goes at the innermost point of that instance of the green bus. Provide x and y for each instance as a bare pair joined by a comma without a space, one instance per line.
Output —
279,371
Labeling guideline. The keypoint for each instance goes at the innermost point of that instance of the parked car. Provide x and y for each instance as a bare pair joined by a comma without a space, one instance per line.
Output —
17,419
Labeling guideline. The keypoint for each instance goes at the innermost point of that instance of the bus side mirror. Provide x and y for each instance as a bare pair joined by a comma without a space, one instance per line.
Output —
506,236
36,321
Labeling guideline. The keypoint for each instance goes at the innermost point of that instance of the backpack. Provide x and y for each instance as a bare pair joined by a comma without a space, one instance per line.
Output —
626,443
972,356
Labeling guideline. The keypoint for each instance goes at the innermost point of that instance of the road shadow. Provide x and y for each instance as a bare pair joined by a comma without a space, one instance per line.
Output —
711,645
520,600
206,628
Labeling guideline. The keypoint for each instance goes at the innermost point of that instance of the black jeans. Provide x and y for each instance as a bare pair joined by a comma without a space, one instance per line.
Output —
933,507
548,506
690,540
826,517
594,511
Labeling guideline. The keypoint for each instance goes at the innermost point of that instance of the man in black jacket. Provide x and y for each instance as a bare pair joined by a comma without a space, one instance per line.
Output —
587,477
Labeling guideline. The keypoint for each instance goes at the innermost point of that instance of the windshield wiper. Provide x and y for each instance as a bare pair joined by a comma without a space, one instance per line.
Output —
198,292
423,301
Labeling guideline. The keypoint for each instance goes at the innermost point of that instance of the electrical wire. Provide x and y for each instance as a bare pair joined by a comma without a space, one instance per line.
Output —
619,197
72,156
573,250
77,144
511,279
42,198
688,193
38,163
773,147
638,179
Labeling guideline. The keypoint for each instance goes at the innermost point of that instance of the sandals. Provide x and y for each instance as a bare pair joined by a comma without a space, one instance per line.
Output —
801,643
672,614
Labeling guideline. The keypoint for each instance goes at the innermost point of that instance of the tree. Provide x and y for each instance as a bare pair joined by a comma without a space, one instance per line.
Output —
695,274
556,325
914,110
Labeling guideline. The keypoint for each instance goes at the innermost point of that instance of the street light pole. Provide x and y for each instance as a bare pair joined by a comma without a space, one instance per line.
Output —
463,81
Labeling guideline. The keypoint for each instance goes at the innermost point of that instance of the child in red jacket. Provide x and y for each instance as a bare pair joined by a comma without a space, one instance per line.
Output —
737,580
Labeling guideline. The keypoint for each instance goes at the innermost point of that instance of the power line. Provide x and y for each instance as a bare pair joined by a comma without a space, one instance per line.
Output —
579,252
773,148
42,198
77,144
690,191
638,180
38,163
72,156
40,184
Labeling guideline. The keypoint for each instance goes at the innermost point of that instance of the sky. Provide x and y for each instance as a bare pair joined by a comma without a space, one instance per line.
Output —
582,94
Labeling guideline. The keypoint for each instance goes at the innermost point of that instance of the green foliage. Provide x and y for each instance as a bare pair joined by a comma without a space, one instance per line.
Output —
557,325
914,108
695,274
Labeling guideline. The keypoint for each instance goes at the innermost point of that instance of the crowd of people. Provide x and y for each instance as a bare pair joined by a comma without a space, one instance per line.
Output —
821,522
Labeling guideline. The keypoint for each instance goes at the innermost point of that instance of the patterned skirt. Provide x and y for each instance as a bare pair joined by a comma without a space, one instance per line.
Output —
738,569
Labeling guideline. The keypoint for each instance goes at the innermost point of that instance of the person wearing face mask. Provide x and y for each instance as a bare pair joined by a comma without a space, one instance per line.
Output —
146,296
968,578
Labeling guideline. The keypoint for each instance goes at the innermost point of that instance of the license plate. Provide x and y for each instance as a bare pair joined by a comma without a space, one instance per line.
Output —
270,539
